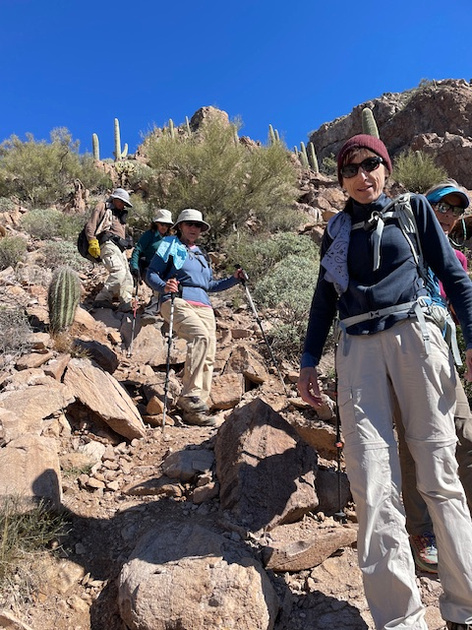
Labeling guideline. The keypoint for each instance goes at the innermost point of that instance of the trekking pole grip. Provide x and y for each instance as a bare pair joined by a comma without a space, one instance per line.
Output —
245,277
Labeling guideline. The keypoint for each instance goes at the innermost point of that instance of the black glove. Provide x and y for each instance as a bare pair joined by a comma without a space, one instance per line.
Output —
135,273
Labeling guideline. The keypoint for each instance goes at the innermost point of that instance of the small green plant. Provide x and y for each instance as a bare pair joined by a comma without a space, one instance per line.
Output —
63,299
24,534
12,251
416,171
329,166
14,333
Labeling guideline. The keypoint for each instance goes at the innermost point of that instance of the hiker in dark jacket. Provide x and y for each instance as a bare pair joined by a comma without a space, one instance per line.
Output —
110,246
391,352
181,267
449,202
142,255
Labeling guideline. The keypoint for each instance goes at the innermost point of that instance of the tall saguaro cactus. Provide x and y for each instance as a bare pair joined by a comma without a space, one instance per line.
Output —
63,298
369,126
312,159
118,153
95,147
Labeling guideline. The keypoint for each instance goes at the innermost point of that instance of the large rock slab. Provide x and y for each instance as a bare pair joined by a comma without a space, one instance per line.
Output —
191,578
265,470
28,406
104,395
30,470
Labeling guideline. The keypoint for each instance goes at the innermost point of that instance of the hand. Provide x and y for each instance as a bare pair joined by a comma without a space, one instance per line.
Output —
309,388
94,248
468,365
240,274
172,286
135,273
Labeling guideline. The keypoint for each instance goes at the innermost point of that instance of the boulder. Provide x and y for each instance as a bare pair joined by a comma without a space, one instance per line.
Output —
265,470
191,578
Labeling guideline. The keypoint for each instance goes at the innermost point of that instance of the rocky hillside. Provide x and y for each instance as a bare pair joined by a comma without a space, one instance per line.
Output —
435,117
178,527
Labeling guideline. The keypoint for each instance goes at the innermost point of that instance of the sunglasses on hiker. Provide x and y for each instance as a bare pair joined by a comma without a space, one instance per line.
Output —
368,165
443,207
196,224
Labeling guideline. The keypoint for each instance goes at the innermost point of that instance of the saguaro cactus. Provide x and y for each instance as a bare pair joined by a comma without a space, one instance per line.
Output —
118,153
369,126
95,147
303,155
63,298
312,159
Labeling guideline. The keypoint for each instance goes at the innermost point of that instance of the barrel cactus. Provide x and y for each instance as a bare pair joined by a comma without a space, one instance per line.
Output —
63,298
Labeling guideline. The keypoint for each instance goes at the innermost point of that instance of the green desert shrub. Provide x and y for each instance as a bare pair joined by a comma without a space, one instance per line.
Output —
61,253
12,250
259,254
288,287
417,171
41,173
49,223
227,181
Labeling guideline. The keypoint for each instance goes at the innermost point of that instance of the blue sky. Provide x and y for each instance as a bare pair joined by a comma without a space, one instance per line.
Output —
295,65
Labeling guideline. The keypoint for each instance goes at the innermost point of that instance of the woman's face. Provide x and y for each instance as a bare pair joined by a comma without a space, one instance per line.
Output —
365,187
453,204
190,231
162,228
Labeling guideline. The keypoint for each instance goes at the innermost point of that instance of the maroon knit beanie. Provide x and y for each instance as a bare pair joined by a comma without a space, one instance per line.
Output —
364,141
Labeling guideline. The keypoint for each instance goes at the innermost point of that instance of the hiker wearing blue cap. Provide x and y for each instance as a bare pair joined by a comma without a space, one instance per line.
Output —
391,353
449,203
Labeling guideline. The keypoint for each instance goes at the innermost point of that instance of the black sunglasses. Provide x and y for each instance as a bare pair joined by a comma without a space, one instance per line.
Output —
443,207
193,224
368,165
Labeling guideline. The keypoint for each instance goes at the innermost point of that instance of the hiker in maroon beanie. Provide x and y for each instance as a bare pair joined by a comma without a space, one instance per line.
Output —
391,352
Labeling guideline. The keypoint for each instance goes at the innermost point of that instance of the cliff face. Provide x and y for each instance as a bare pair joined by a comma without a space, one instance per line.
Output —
435,117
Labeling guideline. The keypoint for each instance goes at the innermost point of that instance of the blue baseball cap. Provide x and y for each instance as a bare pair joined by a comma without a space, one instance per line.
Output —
436,195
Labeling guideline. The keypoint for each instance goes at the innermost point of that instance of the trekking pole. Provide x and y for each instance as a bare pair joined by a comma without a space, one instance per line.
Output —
169,348
135,309
340,514
244,281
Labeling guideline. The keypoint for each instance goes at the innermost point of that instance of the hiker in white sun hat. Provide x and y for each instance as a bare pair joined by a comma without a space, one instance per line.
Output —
181,272
106,234
142,255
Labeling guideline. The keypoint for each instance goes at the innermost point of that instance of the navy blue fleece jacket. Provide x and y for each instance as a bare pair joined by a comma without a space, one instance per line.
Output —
396,281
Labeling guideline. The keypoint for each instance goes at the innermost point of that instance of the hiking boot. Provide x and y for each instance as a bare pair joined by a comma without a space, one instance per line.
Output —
147,319
125,307
452,625
201,419
102,304
425,552
192,404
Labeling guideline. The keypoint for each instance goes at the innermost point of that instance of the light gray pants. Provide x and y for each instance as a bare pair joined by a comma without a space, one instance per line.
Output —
373,371
119,283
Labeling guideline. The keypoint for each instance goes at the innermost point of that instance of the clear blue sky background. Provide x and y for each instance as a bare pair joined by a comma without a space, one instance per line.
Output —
294,64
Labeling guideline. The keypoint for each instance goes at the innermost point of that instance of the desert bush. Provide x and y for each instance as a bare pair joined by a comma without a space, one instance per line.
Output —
14,332
417,172
7,204
41,173
49,223
61,253
12,250
228,182
259,254
288,287
25,534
